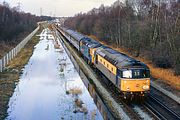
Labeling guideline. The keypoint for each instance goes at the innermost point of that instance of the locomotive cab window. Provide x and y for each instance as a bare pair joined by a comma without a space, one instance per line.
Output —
127,74
136,73
146,73
141,73
96,59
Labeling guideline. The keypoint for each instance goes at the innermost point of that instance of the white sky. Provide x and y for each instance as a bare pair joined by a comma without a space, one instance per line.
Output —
58,7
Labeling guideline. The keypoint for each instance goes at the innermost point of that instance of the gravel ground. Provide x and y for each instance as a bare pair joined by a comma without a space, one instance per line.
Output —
143,114
167,90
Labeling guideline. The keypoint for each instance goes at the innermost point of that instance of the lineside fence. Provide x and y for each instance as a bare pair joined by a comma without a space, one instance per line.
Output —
10,55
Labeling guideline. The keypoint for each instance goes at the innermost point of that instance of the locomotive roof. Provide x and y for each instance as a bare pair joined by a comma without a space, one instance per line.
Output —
119,59
91,42
78,36
75,34
116,58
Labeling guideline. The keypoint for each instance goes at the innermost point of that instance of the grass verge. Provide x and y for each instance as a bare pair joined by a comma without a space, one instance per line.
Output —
10,76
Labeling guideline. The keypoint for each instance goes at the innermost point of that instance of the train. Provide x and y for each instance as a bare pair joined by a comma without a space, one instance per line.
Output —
130,76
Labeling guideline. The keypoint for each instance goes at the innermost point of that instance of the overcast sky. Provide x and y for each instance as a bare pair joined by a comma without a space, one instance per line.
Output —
58,7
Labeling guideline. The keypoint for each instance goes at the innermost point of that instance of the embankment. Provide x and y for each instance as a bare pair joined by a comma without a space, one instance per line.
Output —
10,76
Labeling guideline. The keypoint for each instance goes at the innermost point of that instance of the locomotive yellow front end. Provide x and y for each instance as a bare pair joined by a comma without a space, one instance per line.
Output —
135,83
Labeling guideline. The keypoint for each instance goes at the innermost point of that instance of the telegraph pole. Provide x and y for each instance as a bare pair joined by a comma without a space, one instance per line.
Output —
19,6
41,11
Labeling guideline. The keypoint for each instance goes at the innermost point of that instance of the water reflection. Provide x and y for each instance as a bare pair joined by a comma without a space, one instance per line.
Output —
106,114
50,88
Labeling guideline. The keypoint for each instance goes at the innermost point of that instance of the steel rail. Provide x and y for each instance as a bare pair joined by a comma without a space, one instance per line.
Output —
160,110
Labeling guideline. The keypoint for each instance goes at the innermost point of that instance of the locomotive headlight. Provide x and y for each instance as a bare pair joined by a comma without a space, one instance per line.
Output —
146,87
128,88
147,82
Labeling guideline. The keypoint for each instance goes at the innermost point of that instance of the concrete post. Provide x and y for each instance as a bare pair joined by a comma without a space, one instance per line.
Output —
9,56
1,66
4,62
7,59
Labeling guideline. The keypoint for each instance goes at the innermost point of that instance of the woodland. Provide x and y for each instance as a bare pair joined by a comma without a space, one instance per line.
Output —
15,25
147,28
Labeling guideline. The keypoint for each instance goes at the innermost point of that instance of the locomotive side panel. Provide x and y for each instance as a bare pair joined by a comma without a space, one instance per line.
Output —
110,73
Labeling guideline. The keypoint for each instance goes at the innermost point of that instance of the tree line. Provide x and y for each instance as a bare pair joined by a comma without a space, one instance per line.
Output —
148,28
15,24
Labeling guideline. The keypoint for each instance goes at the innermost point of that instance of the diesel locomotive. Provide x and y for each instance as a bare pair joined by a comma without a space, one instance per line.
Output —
130,76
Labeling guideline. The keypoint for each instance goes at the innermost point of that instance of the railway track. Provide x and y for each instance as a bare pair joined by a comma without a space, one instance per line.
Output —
128,107
160,110
154,106
168,101
116,95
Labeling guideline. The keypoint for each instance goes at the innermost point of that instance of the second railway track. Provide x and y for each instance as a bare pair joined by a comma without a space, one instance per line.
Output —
160,110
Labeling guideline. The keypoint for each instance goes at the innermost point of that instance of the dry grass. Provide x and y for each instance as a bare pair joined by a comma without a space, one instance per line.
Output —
76,91
166,75
78,102
56,46
4,48
93,114
9,77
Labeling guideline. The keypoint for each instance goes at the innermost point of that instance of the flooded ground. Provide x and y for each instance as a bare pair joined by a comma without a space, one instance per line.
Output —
50,87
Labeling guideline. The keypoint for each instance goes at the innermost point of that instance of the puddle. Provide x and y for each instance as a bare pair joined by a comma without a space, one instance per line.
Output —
50,88
106,114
